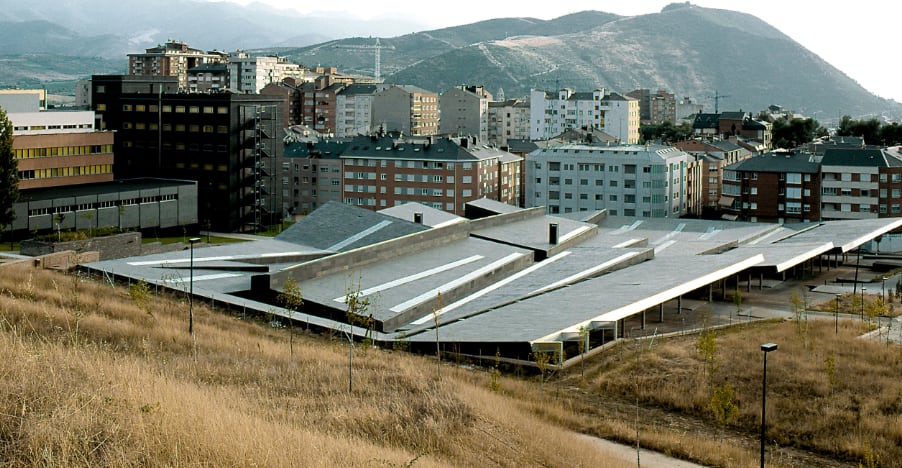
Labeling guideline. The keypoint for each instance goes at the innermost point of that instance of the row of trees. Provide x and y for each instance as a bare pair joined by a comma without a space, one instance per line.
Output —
791,133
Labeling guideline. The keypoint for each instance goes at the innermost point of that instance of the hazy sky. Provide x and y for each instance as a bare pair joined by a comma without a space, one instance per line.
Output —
859,37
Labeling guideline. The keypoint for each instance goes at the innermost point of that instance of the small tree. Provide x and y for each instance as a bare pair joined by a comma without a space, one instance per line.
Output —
292,299
723,406
830,370
707,348
9,174
140,294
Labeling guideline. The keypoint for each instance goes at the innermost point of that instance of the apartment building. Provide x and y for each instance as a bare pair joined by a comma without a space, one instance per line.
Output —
174,58
777,187
208,78
465,112
655,108
407,109
706,172
354,107
552,113
56,149
230,143
381,171
860,183
627,180
250,74
621,117
733,124
508,120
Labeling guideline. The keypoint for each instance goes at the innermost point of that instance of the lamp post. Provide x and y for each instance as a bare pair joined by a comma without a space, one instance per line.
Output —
861,314
766,347
191,243
836,315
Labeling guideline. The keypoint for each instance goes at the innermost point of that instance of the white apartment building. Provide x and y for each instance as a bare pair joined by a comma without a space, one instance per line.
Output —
550,114
354,110
249,74
628,180
622,117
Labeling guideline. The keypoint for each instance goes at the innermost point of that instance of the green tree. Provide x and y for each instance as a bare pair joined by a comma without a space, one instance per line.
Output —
9,176
707,348
723,406
292,299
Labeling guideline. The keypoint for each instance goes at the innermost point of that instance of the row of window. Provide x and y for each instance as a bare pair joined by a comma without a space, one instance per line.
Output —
170,108
192,128
26,128
74,171
64,209
28,153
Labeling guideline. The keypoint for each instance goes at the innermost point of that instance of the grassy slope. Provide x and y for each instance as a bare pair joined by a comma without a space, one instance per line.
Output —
127,391
119,387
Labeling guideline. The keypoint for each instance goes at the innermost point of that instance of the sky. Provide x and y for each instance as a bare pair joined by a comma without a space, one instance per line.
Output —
858,38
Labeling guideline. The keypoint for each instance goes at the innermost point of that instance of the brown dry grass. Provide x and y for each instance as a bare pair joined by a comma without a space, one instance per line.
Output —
856,418
88,379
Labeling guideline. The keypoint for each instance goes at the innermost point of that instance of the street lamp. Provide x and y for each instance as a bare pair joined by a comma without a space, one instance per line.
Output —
861,315
191,243
766,347
836,315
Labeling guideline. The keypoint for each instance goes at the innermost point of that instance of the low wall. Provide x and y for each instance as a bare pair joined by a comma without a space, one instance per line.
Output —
109,247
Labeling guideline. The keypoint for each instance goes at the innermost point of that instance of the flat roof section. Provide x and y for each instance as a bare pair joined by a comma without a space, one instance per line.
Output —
609,298
430,216
337,227
846,235
218,269
404,285
565,268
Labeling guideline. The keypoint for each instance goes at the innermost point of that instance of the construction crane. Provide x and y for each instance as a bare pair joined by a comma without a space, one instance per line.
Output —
377,48
717,98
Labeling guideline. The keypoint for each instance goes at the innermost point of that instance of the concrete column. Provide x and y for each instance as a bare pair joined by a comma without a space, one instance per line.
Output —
710,293
661,312
643,319
679,305
761,280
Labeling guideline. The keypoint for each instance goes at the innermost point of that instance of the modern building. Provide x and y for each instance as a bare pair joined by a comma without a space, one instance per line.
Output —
140,204
229,143
508,120
23,100
174,58
57,149
465,112
381,171
777,187
627,180
407,109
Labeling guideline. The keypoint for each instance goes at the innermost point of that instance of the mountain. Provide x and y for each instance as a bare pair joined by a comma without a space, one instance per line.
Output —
688,50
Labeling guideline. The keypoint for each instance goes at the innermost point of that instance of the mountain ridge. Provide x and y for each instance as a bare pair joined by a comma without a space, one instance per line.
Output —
688,50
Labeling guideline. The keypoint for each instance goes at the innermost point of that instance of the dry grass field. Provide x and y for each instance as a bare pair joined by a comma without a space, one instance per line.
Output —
89,378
